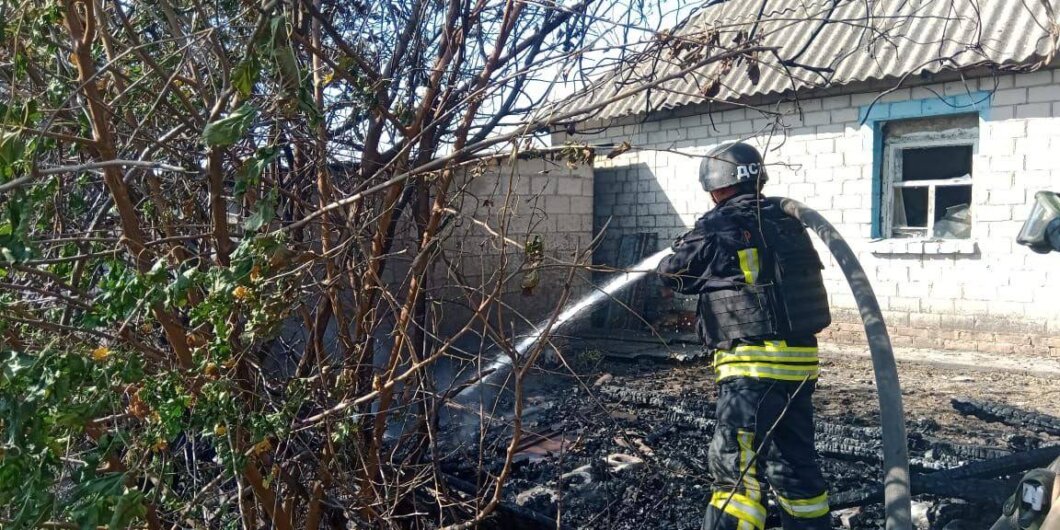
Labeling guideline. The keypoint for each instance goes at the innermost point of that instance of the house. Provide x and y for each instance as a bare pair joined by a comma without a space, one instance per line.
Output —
920,128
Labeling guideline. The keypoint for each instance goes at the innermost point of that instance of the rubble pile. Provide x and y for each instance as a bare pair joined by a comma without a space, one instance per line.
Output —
629,453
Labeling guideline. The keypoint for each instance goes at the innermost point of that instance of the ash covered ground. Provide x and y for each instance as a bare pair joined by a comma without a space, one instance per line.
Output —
624,444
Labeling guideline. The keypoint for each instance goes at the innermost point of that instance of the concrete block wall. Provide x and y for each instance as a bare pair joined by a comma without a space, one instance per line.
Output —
541,196
633,199
987,293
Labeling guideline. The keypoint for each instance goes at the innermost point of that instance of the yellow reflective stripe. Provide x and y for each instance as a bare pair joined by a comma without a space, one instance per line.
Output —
775,351
778,368
771,346
744,525
741,507
805,508
747,352
783,372
766,359
748,467
749,264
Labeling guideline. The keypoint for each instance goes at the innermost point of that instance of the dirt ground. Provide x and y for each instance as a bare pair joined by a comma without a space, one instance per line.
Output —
659,413
846,385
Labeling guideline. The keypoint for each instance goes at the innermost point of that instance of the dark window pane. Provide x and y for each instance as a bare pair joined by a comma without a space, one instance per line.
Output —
915,202
949,196
953,215
933,163
952,219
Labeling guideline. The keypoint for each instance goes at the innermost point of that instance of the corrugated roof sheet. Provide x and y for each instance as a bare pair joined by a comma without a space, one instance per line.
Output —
822,43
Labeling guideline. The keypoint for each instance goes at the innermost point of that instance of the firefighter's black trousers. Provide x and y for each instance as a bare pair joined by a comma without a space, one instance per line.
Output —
747,409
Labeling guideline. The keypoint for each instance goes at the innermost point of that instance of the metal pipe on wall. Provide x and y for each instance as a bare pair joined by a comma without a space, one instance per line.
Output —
897,500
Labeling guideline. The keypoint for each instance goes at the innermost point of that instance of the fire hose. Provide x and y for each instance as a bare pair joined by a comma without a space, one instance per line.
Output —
896,490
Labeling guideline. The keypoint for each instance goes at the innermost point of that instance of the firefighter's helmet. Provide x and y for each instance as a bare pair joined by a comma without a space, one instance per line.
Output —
730,164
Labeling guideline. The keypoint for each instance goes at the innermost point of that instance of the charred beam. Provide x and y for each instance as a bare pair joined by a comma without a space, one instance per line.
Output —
1001,413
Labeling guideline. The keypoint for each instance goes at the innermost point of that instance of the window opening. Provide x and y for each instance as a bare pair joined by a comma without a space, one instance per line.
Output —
928,178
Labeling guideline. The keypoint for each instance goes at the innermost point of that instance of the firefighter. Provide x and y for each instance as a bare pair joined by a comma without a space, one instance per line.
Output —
761,303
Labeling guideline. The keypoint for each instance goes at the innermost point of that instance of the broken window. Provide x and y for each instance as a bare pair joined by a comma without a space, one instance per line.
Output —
927,177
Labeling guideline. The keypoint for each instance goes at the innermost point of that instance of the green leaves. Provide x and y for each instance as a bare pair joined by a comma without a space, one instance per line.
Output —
11,147
177,292
105,498
13,151
307,105
228,130
124,292
534,248
14,247
246,74
284,60
253,168
128,507
264,211
534,255
46,396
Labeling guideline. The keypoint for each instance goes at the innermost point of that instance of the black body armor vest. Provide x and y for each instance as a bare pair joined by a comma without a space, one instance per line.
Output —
776,290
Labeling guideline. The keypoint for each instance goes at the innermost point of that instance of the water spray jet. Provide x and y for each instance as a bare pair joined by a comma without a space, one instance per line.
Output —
501,367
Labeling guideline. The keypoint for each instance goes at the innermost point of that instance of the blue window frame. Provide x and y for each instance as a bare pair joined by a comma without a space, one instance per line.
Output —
875,116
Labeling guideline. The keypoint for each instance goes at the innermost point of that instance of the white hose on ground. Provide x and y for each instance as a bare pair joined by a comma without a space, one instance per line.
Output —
897,501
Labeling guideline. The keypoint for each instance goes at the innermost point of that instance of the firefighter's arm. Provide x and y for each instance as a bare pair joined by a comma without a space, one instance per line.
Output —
683,270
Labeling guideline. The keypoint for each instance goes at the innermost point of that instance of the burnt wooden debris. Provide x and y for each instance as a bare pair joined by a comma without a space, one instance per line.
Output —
1009,415
642,455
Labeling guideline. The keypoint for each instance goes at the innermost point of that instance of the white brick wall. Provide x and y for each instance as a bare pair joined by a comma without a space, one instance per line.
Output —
548,199
825,158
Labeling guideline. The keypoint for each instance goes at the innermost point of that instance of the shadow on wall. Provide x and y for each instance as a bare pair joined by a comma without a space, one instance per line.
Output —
540,201
637,218
472,272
